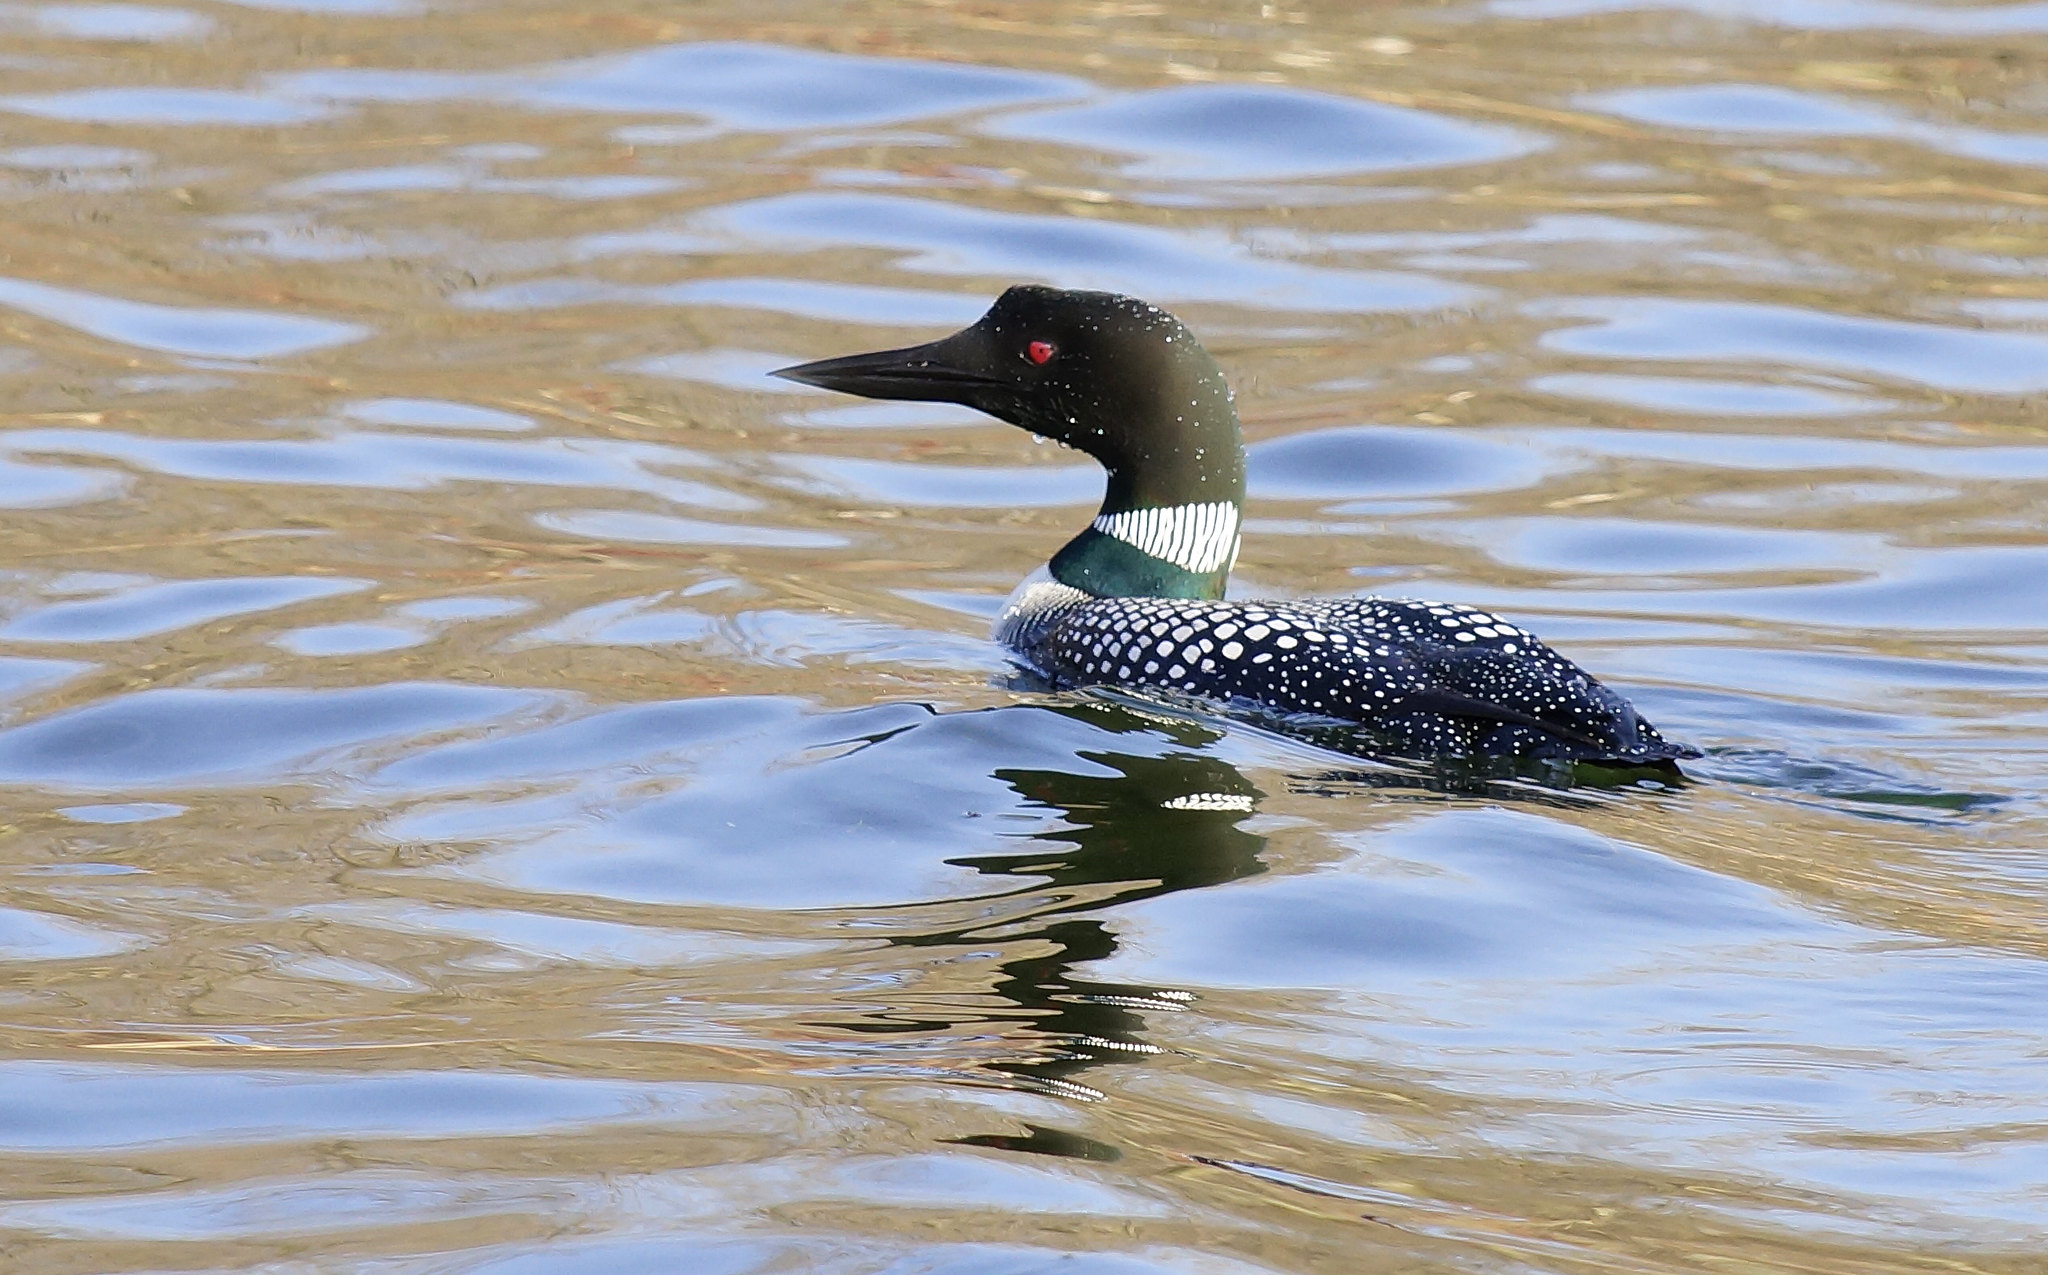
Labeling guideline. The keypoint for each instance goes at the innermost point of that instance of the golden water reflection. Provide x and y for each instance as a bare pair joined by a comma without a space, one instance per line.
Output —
493,783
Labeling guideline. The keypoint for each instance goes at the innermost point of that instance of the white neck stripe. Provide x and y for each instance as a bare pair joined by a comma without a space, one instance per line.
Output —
1198,538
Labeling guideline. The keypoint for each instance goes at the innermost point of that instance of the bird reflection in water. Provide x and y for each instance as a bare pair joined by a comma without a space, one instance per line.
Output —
1160,820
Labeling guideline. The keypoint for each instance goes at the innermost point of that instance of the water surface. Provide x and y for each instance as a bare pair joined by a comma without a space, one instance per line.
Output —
495,784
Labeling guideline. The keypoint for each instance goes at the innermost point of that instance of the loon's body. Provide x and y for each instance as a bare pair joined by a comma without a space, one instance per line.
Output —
1137,598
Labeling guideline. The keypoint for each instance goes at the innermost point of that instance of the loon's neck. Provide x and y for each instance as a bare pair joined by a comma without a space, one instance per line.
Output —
1168,527
1162,551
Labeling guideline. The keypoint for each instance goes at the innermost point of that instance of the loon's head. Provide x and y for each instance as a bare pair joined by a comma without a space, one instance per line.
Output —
1117,378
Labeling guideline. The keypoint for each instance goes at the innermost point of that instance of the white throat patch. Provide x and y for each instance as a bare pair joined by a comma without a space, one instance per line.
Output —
1197,538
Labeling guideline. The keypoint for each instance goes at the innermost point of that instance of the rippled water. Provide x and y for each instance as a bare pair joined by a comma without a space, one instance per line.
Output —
494,784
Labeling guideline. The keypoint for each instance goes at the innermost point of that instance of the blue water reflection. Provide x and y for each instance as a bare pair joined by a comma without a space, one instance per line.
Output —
159,107
158,739
244,1107
741,86
1765,109
842,302
1945,358
140,611
40,486
1699,396
195,331
1370,462
1167,265
399,461
1218,132
146,24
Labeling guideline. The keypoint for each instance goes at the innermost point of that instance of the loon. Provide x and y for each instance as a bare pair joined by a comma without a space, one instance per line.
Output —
1136,600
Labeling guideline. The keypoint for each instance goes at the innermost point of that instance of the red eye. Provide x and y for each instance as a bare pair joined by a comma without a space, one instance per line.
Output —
1040,351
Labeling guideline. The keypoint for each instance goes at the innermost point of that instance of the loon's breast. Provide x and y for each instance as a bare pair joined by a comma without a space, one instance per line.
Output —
1429,678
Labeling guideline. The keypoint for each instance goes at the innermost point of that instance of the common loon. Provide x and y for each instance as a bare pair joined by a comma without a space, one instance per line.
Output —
1137,598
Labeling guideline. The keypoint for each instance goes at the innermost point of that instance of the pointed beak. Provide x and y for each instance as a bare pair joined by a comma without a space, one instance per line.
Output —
951,370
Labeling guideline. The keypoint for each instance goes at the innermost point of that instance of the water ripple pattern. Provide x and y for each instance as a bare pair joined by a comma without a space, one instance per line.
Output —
495,784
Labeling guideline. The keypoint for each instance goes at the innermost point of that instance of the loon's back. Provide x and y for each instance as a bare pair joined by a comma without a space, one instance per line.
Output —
1425,679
